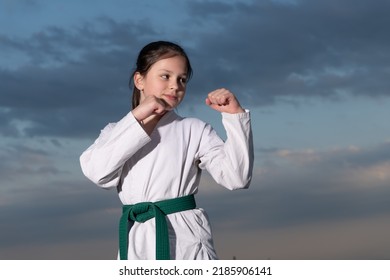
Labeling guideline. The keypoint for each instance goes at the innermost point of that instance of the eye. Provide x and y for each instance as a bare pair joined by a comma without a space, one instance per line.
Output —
183,80
165,77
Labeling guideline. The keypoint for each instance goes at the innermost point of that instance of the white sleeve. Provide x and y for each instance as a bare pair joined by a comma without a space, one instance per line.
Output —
102,162
230,163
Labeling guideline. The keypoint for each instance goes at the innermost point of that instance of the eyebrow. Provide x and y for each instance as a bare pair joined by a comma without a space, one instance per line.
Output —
170,72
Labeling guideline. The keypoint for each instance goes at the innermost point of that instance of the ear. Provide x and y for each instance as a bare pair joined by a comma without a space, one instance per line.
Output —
138,80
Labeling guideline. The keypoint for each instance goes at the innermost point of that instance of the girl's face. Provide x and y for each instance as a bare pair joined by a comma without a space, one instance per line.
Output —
166,79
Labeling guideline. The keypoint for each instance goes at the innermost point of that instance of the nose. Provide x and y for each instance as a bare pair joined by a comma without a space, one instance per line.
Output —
174,84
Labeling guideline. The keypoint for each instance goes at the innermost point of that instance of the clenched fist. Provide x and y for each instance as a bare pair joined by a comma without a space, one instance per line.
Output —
222,100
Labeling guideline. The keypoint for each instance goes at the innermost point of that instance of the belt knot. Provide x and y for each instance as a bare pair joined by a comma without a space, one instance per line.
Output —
141,212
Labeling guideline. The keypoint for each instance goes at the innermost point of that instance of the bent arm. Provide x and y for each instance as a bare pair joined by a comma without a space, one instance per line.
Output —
230,163
102,162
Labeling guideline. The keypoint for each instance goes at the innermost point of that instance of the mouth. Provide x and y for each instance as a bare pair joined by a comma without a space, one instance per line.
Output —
172,100
171,97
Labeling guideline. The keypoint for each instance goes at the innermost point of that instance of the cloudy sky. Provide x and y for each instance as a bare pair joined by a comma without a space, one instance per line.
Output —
313,73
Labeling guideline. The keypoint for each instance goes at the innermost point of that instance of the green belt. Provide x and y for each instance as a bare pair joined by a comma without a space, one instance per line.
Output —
141,212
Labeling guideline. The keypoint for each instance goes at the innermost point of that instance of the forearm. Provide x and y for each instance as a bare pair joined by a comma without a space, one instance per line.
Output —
102,162
230,163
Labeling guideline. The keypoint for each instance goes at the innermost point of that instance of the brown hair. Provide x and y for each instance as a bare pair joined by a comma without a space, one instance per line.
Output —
152,53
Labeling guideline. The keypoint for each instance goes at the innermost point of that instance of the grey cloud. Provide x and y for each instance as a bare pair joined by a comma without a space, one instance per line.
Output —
57,213
56,44
22,5
67,101
298,192
336,159
79,95
20,161
311,48
264,51
359,158
294,201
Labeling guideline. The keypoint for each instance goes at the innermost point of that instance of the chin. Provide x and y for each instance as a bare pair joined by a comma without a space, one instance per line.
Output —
172,105
170,108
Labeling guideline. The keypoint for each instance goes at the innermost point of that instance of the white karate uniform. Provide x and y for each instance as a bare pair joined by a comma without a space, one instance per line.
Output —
167,164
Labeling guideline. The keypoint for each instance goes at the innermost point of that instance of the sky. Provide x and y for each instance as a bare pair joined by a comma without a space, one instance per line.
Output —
313,73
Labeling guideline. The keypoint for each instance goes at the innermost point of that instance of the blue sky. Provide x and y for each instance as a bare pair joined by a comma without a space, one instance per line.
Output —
314,75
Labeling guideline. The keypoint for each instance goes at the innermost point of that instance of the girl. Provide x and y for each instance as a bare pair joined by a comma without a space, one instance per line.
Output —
154,159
